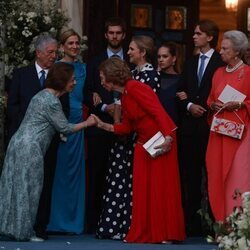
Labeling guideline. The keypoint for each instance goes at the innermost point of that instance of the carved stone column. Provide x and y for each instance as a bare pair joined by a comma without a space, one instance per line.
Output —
2,102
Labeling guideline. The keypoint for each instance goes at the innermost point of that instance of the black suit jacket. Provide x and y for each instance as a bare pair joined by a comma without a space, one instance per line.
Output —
197,95
93,84
24,85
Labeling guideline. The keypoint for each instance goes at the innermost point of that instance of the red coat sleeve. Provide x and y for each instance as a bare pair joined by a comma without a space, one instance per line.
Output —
148,101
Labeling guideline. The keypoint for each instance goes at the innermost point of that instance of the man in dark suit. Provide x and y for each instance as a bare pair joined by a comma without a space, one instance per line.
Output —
102,104
26,83
195,83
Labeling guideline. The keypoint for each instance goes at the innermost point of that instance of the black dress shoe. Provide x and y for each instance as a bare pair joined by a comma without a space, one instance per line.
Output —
42,235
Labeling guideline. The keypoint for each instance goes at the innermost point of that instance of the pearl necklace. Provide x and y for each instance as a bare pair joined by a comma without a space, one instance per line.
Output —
236,66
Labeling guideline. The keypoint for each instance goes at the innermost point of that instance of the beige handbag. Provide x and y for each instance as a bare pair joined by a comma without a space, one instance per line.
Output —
227,127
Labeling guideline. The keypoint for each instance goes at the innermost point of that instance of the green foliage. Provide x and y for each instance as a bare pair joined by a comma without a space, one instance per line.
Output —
23,22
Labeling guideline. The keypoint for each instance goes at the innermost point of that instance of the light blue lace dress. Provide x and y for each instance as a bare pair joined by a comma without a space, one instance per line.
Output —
22,177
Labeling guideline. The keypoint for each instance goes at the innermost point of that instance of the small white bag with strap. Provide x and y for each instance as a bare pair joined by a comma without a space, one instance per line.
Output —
227,127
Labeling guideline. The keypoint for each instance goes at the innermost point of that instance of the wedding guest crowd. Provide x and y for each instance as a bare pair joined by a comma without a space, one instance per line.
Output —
123,192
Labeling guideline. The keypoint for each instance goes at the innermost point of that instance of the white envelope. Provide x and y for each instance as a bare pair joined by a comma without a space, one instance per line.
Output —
154,141
231,94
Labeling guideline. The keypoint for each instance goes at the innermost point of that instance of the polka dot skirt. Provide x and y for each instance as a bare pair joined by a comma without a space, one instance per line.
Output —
117,201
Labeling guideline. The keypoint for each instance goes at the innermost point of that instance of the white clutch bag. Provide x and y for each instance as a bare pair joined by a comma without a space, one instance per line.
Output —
154,141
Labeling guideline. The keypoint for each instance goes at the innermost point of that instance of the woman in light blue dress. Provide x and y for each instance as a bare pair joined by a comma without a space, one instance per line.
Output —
22,177
68,195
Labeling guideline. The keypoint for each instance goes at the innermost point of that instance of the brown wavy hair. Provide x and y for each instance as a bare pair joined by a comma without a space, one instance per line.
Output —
59,75
115,71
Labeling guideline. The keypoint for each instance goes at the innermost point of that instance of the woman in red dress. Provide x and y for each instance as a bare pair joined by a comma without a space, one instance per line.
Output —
157,214
227,158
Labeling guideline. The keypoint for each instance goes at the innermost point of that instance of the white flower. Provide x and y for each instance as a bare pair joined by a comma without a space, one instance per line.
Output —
83,47
52,30
31,14
47,19
242,243
85,38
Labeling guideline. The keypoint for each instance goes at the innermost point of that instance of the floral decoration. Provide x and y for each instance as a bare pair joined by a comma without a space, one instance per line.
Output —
23,22
234,234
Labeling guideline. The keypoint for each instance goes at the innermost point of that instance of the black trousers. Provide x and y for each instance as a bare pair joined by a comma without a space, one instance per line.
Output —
98,148
43,212
192,153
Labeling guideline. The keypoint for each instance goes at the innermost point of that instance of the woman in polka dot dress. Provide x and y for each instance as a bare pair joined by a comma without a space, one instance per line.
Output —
116,213
157,214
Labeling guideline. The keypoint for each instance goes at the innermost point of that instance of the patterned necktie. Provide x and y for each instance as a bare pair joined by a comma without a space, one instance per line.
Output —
42,78
201,69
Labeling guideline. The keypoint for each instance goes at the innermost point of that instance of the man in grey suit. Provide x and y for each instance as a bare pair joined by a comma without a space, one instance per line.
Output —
195,83
27,82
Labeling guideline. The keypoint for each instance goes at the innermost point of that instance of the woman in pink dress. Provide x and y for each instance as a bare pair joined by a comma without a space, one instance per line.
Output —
157,214
228,158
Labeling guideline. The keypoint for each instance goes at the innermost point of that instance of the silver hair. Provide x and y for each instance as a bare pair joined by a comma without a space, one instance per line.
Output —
238,39
43,41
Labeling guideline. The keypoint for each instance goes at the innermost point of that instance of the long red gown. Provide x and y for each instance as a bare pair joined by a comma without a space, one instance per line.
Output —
157,213
227,159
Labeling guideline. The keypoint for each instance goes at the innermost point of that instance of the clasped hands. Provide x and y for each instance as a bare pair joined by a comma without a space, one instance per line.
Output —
97,121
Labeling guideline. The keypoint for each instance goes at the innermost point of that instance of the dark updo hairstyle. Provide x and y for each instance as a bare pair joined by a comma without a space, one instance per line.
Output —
174,50
115,71
59,75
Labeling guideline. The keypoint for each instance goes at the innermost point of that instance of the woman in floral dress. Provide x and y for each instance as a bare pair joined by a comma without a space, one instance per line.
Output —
22,177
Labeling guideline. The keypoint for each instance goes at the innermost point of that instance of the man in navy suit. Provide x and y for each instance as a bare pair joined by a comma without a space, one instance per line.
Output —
27,82
102,104
195,83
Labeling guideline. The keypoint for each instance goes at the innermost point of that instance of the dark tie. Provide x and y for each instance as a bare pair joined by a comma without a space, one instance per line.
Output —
42,78
201,69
